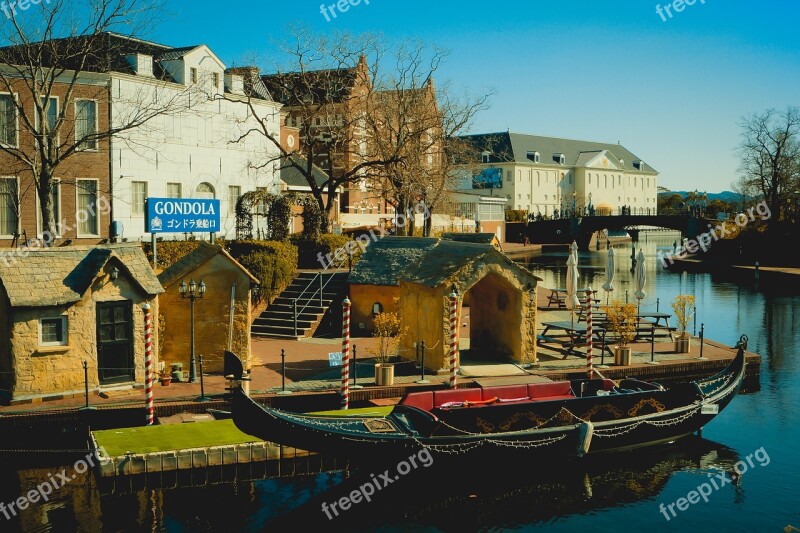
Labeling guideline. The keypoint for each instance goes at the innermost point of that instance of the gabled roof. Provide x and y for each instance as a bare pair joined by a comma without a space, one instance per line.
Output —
49,277
292,177
444,262
385,260
175,53
327,86
196,258
507,147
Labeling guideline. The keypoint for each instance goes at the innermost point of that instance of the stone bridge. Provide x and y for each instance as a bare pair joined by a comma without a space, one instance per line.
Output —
580,230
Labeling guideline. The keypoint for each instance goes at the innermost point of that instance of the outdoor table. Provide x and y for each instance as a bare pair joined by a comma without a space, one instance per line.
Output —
574,334
557,296
655,322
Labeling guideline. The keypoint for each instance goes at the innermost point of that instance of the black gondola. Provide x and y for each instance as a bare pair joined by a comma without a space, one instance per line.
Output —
550,419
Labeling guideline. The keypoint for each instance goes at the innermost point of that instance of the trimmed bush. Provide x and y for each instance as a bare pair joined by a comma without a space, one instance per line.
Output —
169,252
308,250
273,263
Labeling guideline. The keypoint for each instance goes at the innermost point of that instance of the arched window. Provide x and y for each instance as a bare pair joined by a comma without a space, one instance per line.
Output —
205,191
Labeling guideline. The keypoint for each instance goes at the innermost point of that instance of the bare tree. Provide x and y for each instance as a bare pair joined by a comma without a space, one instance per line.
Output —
61,49
770,157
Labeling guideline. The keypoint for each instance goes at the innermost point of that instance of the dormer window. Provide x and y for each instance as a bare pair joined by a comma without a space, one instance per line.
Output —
534,156
485,157
638,164
559,158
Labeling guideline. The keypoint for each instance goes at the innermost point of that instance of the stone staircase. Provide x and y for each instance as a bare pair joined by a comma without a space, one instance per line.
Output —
277,321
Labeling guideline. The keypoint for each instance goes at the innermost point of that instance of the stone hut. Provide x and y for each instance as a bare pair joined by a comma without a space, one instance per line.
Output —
224,278
501,296
60,307
374,283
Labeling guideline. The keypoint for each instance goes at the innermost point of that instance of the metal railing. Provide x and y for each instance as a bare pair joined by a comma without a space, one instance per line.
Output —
319,284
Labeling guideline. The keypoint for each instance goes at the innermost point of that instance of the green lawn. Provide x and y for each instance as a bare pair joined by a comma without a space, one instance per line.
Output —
194,434
171,437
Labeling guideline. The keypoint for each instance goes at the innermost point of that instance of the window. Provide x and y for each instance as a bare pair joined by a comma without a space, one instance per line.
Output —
51,113
55,193
485,157
8,120
138,197
53,331
509,176
559,158
533,156
174,190
205,190
86,123
215,76
193,74
9,206
234,192
87,215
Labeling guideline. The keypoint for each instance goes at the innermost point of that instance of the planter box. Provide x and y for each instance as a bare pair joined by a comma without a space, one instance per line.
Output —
384,374
683,343
622,356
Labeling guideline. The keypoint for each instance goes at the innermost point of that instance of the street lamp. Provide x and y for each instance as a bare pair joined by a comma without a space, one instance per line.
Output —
192,292
590,202
574,198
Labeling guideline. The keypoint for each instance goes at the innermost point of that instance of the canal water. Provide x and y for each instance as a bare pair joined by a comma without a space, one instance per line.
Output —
623,492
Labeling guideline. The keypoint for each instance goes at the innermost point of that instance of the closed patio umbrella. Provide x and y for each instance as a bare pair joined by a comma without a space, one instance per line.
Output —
572,301
608,286
641,279
573,249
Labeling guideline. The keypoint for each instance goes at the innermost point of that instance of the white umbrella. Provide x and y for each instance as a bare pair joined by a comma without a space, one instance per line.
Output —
608,286
641,279
573,249
572,301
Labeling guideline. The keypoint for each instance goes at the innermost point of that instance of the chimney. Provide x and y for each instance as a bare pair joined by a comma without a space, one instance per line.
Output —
142,64
234,83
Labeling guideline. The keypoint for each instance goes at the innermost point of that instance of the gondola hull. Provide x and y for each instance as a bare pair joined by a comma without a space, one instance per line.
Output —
565,427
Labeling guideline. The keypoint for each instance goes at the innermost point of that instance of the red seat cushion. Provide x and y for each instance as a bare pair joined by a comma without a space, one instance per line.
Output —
506,392
557,388
423,400
608,385
455,395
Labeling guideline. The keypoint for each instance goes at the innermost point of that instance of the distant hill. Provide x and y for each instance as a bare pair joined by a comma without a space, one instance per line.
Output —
725,196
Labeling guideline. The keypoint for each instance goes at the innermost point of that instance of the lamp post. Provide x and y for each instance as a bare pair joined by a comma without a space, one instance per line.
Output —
192,292
574,199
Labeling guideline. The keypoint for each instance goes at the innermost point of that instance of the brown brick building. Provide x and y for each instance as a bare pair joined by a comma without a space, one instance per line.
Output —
81,196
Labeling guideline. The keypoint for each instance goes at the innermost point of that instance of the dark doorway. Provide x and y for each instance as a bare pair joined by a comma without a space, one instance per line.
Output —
115,342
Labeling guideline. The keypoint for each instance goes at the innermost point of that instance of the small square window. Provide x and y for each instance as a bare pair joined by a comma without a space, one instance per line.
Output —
53,331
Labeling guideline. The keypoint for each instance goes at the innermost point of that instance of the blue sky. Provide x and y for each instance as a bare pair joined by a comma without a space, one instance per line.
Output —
672,92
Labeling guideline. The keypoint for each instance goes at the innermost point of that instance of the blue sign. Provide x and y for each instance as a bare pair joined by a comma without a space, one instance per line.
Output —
489,178
179,215
335,359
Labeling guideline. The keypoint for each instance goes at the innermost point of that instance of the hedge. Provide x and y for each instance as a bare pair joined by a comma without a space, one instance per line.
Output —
273,263
308,250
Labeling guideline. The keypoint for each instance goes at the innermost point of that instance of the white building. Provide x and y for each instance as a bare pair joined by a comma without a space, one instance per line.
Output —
189,149
542,175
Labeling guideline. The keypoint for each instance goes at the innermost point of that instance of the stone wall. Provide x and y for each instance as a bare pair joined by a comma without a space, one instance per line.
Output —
212,315
362,297
55,371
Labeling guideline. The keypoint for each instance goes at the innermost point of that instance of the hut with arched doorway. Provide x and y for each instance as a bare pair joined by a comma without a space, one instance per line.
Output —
501,296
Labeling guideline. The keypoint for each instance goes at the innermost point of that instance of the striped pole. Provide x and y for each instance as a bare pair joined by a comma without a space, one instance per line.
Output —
148,365
453,337
589,332
346,353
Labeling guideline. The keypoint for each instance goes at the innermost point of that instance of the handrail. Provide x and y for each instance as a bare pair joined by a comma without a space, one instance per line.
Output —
321,284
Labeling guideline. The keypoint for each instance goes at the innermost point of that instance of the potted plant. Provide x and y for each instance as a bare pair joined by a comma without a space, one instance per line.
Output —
165,378
683,307
622,323
388,330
